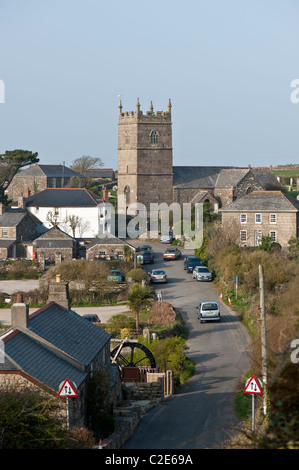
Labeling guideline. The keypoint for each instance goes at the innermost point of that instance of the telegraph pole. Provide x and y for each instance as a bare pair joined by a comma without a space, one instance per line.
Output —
263,335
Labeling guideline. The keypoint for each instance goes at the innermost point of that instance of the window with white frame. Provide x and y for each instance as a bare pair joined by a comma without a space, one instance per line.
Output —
272,218
243,218
243,236
273,235
258,218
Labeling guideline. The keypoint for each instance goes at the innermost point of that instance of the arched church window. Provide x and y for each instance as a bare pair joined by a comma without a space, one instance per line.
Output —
249,190
154,137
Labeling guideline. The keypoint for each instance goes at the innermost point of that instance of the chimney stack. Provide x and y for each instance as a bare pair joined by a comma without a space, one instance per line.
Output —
59,292
19,313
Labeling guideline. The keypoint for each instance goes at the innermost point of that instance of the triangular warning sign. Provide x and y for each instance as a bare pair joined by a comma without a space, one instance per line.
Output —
253,386
67,390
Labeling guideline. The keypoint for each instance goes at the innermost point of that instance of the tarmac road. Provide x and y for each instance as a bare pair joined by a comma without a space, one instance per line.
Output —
200,416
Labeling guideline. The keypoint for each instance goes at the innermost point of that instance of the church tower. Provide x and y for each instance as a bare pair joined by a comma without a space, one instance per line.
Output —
145,156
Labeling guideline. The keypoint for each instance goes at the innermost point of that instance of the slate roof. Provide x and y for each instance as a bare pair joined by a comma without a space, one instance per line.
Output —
108,241
263,201
63,197
209,177
12,217
230,178
205,177
101,173
51,171
69,336
40,362
68,331
54,238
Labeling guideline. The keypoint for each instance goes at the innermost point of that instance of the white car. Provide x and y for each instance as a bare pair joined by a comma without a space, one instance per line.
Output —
201,273
167,237
158,275
208,310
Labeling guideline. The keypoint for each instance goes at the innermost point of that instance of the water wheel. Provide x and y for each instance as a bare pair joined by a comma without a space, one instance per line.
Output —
125,355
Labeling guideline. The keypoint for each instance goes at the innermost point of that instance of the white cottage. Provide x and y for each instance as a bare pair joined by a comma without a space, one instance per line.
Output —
77,211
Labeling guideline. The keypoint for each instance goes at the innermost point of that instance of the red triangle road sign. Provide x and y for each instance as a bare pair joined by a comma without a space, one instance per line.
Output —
67,389
253,386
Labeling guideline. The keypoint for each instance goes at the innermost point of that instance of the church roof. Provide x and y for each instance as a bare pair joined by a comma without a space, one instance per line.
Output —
206,177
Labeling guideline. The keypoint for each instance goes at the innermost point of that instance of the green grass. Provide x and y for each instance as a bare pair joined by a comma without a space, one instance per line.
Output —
243,405
286,172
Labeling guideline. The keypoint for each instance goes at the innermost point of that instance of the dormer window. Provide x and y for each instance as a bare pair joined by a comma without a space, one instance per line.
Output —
154,137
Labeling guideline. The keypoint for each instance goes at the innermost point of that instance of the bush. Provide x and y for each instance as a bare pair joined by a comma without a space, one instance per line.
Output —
162,313
137,275
119,322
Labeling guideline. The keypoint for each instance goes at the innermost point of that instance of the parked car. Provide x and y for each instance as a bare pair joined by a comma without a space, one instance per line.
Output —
208,310
201,273
145,248
145,258
93,318
166,237
190,262
158,275
116,276
172,253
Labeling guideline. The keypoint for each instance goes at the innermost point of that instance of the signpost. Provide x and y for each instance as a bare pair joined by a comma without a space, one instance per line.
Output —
253,386
237,280
67,389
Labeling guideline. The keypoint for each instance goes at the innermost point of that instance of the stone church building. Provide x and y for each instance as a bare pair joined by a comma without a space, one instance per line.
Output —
146,173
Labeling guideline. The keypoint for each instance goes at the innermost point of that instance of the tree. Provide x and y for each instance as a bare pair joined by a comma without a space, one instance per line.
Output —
74,221
139,297
85,163
10,163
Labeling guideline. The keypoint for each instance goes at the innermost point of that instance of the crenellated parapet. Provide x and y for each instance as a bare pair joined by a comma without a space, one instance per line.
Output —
149,116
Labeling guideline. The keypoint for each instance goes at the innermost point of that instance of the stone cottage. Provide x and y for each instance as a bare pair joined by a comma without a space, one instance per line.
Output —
36,178
107,248
260,214
17,230
53,344
54,245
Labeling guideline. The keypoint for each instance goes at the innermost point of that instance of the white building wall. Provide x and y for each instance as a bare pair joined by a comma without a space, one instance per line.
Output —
89,219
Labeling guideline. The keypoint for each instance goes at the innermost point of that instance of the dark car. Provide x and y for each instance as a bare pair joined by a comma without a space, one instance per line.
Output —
145,248
93,318
145,258
190,262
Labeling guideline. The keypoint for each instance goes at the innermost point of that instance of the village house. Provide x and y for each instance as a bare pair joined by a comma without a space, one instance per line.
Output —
17,230
54,246
77,211
263,214
107,247
53,344
39,177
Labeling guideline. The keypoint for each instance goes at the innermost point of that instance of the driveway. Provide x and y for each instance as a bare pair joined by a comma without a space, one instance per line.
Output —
201,414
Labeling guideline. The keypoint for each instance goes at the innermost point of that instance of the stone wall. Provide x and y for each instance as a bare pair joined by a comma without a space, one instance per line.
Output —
144,391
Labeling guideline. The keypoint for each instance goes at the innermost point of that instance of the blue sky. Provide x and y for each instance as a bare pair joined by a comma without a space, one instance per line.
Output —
226,66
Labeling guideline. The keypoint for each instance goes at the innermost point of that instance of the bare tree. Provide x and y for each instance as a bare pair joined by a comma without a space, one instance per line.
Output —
85,163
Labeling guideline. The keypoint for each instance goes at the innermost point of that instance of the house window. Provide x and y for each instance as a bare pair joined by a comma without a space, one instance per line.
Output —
258,218
273,236
5,232
272,218
102,253
154,137
243,218
243,236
